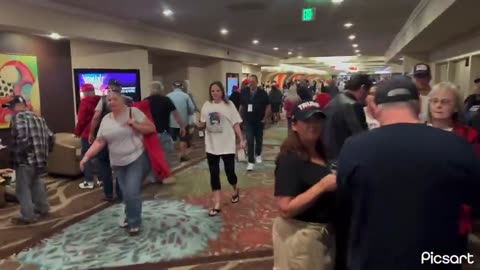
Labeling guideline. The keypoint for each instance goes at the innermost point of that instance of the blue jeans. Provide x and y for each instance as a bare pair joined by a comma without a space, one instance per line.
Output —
167,145
88,172
30,192
131,177
105,174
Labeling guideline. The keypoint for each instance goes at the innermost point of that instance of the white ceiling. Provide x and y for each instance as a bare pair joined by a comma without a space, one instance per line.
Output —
276,23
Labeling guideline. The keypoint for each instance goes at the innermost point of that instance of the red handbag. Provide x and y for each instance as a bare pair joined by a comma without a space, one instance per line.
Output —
153,146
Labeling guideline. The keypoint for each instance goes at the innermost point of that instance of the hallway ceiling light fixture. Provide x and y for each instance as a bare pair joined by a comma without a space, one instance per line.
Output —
354,45
167,12
224,31
357,51
299,57
359,54
290,53
255,41
348,25
352,37
337,1
402,58
55,36
275,48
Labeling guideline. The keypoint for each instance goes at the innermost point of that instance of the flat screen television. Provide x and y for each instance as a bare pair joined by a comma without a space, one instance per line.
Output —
233,79
99,78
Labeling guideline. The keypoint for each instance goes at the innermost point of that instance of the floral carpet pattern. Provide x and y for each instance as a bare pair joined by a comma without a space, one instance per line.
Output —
171,230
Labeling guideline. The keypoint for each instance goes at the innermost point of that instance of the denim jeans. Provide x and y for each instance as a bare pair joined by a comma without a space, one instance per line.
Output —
105,173
167,145
254,140
131,177
88,172
31,193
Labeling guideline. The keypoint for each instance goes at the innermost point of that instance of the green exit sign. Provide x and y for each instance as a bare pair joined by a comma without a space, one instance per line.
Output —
308,14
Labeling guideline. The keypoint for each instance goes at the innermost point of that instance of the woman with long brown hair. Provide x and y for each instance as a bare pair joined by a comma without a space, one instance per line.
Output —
221,120
304,185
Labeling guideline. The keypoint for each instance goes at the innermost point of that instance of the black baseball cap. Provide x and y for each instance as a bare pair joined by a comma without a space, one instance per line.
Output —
114,85
397,89
421,70
15,100
307,110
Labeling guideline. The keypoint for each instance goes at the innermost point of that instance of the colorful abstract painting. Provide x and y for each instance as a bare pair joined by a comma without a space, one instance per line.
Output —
18,76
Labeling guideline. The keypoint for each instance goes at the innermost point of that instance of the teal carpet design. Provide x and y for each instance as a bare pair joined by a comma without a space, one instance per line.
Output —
171,230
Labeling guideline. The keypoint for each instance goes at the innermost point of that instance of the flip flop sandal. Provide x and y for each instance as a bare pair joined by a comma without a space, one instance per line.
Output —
213,212
236,197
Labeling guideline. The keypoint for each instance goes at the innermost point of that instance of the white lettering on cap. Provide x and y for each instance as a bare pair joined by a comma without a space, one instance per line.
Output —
307,105
398,92
422,68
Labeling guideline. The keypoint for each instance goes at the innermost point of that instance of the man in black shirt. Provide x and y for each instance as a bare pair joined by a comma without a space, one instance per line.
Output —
235,96
401,188
345,114
255,109
161,107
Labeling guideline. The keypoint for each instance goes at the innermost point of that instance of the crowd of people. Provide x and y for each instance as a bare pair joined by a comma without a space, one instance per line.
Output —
370,177
383,176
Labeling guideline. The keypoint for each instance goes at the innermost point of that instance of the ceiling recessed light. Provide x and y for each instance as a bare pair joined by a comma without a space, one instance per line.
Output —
275,48
168,12
357,51
255,41
224,31
402,58
354,45
337,1
299,57
255,64
359,54
55,36
348,25
290,53
352,37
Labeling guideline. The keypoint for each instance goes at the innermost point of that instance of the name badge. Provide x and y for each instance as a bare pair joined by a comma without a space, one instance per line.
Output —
250,108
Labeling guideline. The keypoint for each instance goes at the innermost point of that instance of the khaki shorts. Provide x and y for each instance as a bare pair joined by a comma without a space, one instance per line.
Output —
300,245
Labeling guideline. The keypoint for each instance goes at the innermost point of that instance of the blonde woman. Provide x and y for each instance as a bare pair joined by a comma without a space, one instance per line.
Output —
444,111
122,130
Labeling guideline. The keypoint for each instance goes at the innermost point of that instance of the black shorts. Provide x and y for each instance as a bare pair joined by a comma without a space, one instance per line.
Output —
276,107
175,133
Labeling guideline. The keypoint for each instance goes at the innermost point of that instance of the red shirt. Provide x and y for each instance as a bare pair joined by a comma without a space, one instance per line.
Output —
471,135
322,99
85,115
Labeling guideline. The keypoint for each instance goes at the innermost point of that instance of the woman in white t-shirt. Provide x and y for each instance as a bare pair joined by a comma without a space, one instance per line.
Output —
122,130
221,121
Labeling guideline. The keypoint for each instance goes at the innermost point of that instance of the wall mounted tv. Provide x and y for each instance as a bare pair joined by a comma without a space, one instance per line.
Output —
99,78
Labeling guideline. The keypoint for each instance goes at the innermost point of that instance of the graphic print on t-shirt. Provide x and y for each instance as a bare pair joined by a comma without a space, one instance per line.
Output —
214,123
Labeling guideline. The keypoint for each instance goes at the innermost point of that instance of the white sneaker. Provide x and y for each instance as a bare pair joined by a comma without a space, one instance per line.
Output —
258,159
250,167
86,185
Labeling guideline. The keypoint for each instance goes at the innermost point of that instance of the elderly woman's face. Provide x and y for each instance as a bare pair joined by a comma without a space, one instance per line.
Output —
442,104
115,101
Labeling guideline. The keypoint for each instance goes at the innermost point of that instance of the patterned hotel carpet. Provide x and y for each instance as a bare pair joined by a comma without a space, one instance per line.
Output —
190,192
176,226
69,204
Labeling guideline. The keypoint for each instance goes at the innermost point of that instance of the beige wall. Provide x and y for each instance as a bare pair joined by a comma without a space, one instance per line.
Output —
88,54
252,69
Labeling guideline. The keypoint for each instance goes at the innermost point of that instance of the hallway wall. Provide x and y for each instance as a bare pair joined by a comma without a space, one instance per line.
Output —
88,54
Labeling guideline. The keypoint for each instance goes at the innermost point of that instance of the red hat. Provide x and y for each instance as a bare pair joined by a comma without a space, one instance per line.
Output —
246,81
87,88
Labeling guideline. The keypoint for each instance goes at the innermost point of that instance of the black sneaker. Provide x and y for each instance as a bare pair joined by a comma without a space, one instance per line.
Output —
21,221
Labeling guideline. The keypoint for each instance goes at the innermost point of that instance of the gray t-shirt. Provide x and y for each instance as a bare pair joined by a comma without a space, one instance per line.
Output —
124,144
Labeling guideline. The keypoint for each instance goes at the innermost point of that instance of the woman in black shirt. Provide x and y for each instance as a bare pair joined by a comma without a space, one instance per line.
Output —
304,187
